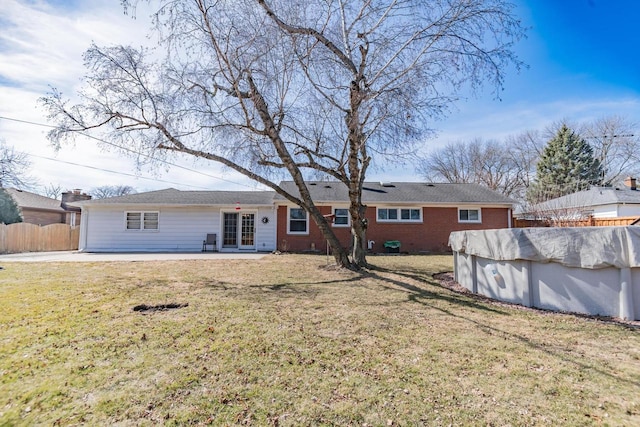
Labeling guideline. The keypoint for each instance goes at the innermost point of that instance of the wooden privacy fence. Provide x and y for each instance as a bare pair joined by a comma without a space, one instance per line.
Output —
588,222
25,237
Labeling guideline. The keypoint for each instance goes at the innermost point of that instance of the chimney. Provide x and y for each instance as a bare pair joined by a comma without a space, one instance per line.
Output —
73,196
630,182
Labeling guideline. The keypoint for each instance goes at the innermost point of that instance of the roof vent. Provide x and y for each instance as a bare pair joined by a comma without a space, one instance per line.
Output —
386,184
312,183
327,186
430,185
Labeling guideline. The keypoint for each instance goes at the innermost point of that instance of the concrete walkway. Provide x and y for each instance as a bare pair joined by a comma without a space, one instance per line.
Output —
74,256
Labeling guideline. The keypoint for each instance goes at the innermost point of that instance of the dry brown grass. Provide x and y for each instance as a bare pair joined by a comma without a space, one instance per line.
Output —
288,341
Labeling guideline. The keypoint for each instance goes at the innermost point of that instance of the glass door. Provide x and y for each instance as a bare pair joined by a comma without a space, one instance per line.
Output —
238,230
230,230
247,231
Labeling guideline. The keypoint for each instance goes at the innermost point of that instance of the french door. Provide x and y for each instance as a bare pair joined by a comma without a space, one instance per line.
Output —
238,230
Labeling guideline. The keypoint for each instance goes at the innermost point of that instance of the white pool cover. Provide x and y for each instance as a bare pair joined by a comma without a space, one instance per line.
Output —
592,270
585,247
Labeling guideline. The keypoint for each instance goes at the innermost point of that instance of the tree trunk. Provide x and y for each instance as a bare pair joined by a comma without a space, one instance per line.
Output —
359,249
338,252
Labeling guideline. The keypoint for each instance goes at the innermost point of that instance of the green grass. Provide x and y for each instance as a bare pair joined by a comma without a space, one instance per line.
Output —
287,341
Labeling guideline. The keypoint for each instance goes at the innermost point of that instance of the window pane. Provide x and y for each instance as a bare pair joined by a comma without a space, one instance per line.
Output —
151,220
415,214
473,215
382,214
297,213
133,220
341,217
464,215
393,213
297,225
404,213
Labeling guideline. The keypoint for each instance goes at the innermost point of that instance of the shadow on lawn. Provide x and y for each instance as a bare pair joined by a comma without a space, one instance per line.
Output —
419,295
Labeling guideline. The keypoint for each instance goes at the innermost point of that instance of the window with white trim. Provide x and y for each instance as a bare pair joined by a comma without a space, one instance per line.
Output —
298,221
399,215
142,220
469,215
341,217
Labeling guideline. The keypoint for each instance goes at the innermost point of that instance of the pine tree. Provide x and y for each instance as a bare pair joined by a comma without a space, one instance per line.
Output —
566,165
9,211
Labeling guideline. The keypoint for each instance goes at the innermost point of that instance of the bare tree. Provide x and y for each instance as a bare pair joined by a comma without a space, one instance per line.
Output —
111,191
52,190
524,149
14,168
452,163
292,88
616,143
573,209
505,167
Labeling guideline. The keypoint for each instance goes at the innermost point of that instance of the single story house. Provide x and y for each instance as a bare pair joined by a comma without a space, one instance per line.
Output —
41,210
419,215
597,202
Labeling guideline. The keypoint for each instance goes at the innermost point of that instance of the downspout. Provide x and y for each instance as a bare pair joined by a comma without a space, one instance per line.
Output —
509,218
84,227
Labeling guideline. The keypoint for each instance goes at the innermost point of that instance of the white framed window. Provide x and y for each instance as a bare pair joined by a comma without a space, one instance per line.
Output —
469,215
297,221
341,217
142,220
399,215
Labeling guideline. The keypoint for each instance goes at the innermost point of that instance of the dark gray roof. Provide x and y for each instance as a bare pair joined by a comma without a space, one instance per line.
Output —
25,199
171,196
595,196
373,192
403,192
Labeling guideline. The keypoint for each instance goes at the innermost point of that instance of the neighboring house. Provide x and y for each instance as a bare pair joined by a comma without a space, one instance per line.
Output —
598,202
41,210
419,215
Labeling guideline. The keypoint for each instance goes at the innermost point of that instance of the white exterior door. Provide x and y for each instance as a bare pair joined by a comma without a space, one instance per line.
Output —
239,230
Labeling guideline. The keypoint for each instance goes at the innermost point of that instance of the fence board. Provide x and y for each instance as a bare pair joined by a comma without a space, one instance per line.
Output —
25,237
589,222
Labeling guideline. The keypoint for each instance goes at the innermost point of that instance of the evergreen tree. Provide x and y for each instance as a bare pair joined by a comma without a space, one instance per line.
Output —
9,211
566,165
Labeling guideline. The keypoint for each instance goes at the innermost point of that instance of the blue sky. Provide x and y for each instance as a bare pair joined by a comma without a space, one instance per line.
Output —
582,56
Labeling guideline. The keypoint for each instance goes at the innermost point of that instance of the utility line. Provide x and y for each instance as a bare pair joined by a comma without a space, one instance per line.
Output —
125,149
116,172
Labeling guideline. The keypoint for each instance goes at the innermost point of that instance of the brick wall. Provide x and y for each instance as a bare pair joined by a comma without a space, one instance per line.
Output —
39,217
431,235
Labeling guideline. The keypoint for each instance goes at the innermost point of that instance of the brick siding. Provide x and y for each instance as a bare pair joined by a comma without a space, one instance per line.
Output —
40,217
431,235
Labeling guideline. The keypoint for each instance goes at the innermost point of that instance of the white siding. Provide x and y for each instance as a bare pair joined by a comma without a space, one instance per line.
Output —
181,229
266,233
614,211
605,211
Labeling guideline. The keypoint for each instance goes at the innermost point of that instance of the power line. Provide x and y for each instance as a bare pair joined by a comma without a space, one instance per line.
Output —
116,172
125,149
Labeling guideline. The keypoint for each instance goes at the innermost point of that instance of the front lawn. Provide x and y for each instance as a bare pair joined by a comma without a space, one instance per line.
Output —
288,341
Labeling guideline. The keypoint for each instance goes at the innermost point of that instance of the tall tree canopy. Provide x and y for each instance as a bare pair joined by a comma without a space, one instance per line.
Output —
566,165
616,144
506,167
14,168
292,88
